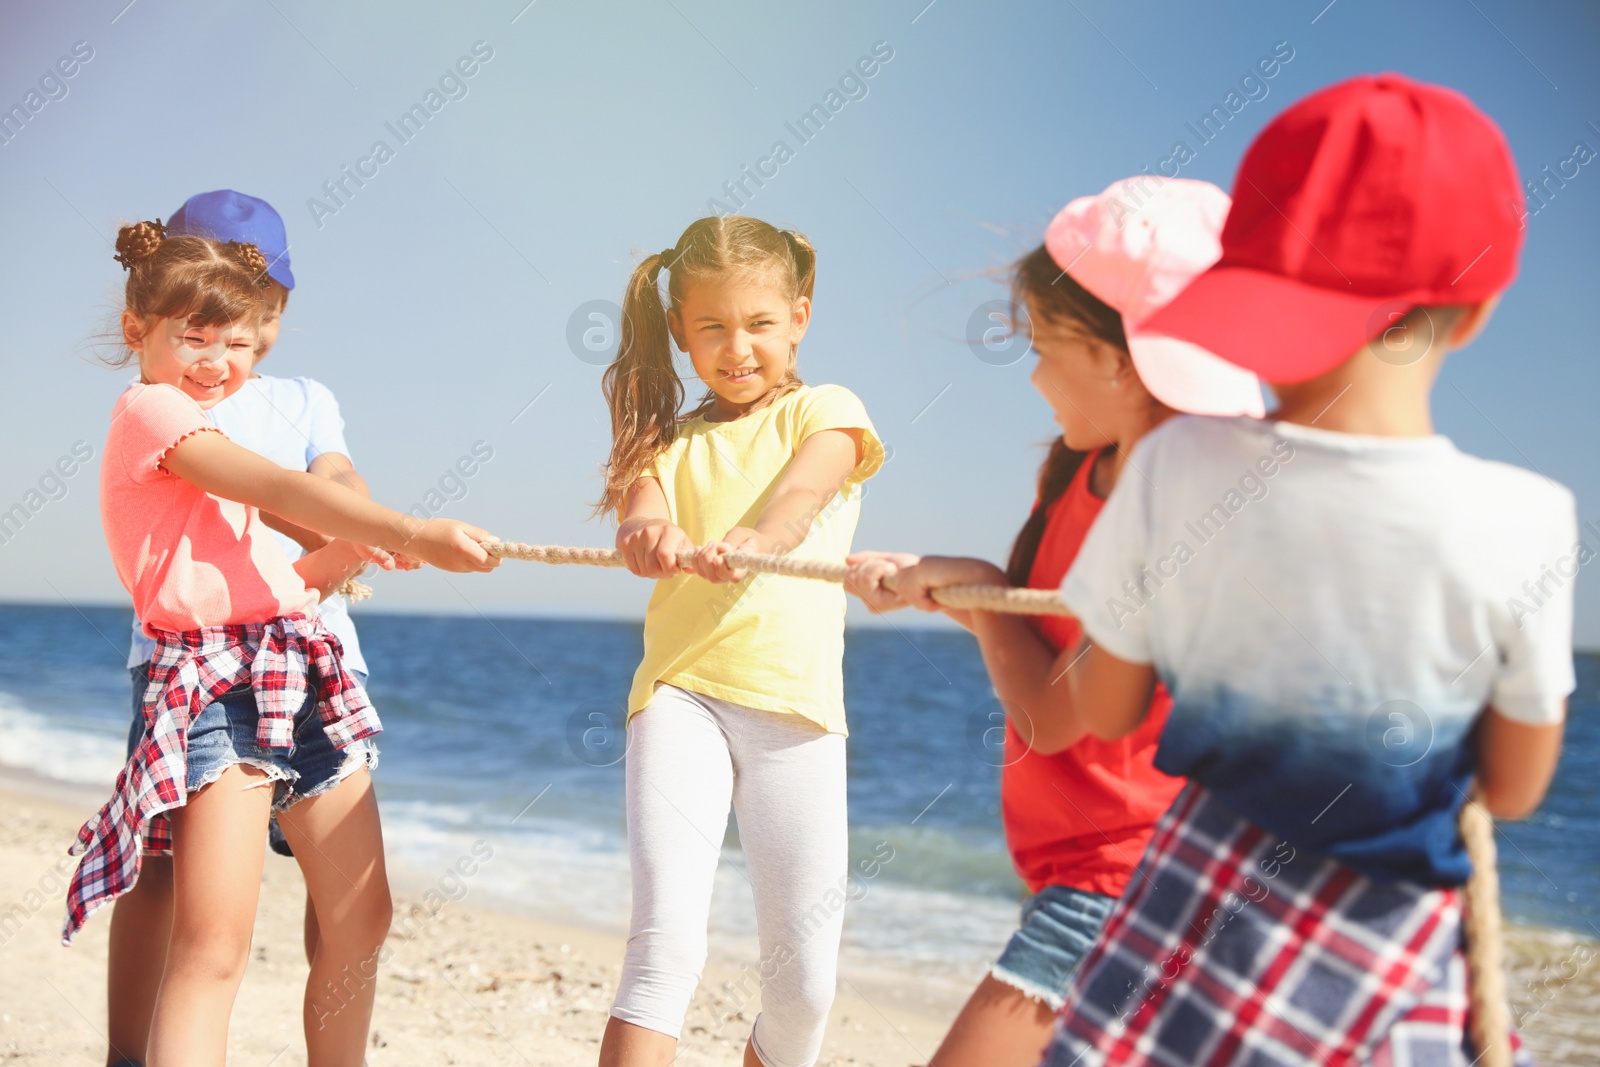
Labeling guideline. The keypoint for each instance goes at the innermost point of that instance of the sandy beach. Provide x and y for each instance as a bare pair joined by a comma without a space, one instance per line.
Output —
460,983
464,983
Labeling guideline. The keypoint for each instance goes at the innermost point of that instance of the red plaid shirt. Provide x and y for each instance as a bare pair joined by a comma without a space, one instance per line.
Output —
1231,947
281,660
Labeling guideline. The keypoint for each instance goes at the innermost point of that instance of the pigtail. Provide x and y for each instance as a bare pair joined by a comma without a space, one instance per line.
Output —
250,258
139,242
1060,467
641,385
805,261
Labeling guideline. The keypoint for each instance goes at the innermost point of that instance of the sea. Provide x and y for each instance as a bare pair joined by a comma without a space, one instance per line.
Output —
504,736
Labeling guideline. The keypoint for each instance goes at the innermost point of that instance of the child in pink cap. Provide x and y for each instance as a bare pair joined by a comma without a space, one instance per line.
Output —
1078,811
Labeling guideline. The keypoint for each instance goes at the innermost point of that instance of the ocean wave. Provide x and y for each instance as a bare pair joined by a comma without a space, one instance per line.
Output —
570,872
48,747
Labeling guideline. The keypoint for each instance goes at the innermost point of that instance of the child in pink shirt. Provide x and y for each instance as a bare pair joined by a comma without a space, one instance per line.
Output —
249,709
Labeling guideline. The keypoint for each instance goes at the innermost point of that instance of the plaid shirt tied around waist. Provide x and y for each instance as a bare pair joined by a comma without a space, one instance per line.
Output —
282,661
1232,949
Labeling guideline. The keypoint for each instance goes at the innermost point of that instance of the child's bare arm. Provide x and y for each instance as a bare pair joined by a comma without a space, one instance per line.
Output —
649,542
215,464
813,478
1515,764
1110,695
815,475
327,568
1028,676
336,467
1031,681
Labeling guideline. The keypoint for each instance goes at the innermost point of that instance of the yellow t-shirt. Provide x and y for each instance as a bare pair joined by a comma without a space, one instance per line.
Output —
767,642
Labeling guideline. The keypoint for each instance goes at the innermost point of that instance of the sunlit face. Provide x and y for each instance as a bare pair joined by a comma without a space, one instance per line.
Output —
208,363
1074,374
740,338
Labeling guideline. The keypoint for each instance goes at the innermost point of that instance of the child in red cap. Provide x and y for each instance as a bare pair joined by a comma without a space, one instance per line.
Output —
1348,639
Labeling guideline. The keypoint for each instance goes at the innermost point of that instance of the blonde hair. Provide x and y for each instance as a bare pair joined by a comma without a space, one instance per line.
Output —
641,386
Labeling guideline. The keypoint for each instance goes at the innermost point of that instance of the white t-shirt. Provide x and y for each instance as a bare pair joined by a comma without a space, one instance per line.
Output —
1331,613
290,421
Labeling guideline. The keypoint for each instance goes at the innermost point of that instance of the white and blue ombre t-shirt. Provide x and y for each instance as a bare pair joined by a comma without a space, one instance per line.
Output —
290,421
1331,614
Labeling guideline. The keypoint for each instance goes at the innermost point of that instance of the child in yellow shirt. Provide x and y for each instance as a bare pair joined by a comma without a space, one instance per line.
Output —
739,698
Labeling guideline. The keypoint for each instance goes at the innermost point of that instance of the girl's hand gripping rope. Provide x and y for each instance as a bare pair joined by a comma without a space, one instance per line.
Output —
915,584
711,562
450,545
874,578
652,547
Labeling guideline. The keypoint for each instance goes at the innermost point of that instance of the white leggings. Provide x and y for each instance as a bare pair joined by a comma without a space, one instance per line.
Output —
688,756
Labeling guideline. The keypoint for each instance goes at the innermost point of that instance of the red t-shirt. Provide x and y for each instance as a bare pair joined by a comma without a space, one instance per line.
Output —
1082,817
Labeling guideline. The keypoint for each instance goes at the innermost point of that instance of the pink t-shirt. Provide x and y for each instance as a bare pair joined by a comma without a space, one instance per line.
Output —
189,559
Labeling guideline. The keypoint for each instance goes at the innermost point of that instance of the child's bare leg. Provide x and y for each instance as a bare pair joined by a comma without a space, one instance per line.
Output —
1000,1026
338,843
218,845
141,922
635,1046
311,933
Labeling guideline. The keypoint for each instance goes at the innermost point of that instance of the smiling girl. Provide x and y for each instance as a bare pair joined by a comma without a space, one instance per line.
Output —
249,709
740,697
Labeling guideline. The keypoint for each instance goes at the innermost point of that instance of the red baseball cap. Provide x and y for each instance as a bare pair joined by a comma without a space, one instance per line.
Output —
1360,202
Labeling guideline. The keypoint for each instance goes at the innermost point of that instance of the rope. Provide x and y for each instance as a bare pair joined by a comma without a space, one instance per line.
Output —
1489,1018
1488,1013
972,597
354,590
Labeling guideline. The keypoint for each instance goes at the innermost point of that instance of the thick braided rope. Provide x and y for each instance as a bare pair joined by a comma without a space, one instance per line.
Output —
977,597
1489,1016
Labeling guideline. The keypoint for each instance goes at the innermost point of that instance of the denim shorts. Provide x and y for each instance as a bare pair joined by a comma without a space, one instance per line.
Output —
224,734
1059,926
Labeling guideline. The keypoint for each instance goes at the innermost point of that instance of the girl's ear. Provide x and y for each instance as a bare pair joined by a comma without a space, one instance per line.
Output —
132,331
1109,361
799,319
675,328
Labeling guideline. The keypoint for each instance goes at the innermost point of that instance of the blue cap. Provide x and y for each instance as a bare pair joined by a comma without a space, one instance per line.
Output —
225,215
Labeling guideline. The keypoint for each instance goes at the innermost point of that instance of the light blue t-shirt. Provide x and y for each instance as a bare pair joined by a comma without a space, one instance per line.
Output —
290,421
1331,614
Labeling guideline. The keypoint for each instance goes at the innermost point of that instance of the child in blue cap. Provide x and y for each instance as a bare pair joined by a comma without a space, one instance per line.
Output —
296,423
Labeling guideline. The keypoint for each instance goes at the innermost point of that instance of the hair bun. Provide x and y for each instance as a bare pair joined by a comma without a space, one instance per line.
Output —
250,257
139,242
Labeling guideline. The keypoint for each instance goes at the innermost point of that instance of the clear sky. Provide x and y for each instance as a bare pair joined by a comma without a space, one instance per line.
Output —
438,298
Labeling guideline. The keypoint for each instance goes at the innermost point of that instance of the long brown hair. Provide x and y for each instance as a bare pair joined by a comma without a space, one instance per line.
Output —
641,386
209,283
1039,287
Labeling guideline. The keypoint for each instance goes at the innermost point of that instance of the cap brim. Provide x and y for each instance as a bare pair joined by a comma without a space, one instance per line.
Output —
1282,330
278,271
1185,377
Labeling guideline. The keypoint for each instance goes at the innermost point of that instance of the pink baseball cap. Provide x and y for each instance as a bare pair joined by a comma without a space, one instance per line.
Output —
1135,247
1358,203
